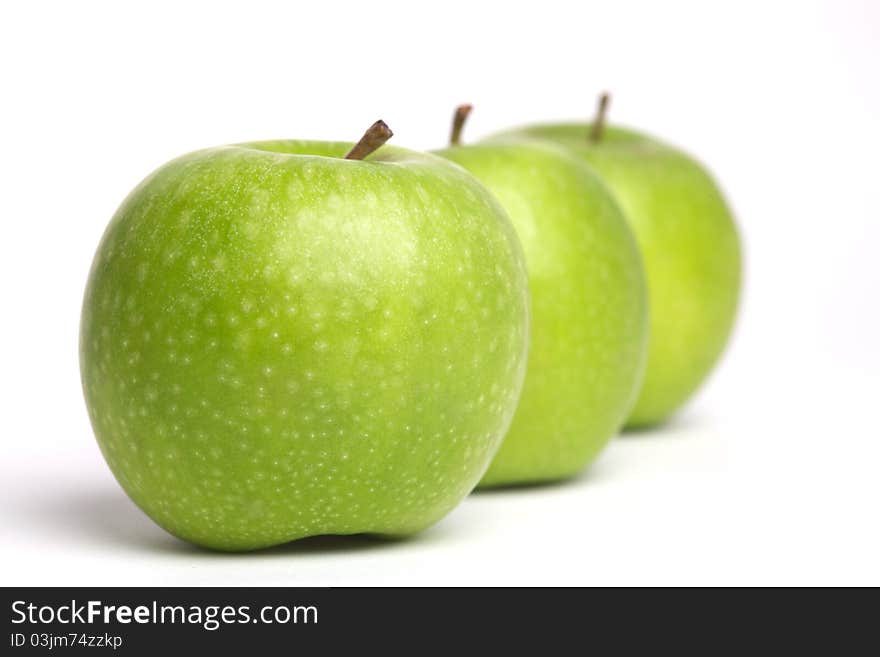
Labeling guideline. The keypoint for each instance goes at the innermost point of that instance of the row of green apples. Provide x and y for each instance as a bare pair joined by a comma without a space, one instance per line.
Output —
289,338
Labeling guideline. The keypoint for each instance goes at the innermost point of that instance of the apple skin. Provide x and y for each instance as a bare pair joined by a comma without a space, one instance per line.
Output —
691,249
277,342
589,308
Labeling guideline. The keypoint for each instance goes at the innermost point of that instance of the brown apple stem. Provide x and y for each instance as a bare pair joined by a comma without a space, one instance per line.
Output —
458,121
599,122
376,135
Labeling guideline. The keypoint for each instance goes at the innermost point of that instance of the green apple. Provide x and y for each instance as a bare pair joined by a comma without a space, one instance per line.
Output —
279,342
691,249
589,308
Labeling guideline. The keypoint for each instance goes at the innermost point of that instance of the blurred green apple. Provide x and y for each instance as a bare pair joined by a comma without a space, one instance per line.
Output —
689,242
279,342
589,307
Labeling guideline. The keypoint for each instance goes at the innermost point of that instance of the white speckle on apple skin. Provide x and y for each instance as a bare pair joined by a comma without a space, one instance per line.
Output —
346,364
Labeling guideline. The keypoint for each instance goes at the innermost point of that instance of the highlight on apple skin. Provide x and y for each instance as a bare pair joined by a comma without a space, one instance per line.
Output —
589,326
689,242
278,342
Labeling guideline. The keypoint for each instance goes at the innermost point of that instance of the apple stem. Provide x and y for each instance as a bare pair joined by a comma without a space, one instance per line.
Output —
376,135
458,121
599,122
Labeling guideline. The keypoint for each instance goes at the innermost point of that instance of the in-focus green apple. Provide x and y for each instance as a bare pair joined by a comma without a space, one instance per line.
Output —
278,342
691,249
589,307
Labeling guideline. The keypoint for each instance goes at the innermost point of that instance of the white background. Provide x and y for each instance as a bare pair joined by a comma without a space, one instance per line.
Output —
771,476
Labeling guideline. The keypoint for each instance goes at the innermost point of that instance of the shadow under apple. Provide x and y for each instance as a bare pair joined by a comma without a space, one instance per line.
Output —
587,477
674,426
108,517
